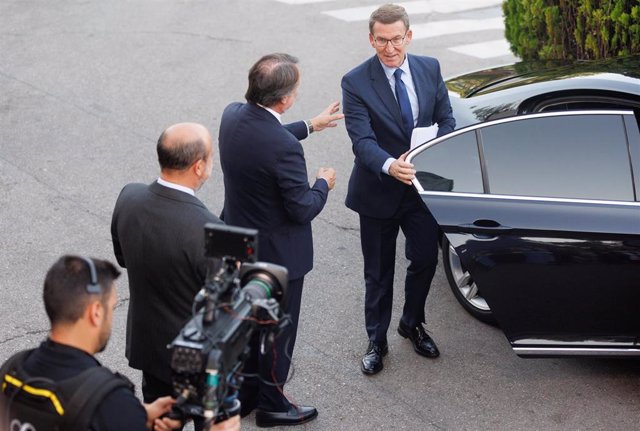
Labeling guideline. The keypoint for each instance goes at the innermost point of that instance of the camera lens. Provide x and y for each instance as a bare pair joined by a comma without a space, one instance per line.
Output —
261,285
261,280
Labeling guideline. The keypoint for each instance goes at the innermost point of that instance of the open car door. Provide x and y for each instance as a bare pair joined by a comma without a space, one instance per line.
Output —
543,212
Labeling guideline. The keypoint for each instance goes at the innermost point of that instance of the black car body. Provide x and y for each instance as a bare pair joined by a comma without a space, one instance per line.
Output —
530,87
541,212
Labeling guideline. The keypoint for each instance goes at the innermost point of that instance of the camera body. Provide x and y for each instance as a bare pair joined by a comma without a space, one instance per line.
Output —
239,296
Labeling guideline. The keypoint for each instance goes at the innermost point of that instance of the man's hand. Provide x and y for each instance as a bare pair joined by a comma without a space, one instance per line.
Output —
158,408
231,424
327,118
401,170
166,424
329,174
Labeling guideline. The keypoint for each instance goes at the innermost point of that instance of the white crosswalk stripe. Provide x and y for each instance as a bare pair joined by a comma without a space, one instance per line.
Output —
303,1
414,8
434,28
489,49
440,28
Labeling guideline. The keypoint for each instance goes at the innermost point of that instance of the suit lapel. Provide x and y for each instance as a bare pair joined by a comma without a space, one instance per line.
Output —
420,84
381,86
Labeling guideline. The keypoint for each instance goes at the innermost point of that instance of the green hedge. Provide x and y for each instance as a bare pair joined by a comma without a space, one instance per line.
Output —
566,29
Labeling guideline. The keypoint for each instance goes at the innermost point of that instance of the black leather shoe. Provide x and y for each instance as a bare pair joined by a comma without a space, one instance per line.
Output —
422,342
372,360
296,415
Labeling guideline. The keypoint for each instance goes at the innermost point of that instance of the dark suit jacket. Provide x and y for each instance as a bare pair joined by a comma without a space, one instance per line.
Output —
158,235
267,187
374,124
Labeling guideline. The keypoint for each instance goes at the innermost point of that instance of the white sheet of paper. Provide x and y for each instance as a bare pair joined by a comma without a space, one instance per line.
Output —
420,135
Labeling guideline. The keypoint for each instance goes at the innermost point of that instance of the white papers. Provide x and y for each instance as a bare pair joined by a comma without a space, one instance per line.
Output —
420,135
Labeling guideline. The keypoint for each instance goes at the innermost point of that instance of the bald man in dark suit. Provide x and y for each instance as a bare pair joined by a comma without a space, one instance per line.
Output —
158,236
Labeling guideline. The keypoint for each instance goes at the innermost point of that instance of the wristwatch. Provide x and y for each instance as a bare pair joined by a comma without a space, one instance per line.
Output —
309,126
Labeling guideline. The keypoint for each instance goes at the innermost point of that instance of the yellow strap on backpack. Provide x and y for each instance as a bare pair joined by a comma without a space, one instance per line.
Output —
45,393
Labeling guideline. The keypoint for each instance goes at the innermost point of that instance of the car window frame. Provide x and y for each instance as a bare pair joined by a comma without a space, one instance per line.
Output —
550,102
487,193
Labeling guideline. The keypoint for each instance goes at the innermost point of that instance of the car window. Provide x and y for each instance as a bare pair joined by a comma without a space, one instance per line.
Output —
453,165
573,156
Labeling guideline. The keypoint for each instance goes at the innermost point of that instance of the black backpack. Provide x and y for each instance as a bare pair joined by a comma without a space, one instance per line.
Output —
46,405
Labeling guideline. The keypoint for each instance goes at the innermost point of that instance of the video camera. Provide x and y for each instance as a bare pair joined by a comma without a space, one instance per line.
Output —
239,296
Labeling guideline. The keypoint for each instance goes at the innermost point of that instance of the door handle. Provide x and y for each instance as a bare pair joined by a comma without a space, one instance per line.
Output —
484,227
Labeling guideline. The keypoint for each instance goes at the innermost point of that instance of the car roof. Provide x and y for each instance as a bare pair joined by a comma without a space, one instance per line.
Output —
620,73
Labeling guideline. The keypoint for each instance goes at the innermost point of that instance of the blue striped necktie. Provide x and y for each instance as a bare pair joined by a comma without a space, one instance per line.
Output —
403,101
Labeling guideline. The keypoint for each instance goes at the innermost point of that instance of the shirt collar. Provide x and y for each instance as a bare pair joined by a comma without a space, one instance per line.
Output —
176,186
274,113
388,71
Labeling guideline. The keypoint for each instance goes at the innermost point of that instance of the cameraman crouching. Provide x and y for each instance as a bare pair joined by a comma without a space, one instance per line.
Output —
39,385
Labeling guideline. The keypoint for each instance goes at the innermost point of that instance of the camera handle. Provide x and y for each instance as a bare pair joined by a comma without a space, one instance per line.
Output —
211,411
210,399
219,286
214,411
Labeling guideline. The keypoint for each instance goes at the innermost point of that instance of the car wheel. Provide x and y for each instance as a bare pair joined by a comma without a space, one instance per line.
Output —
464,288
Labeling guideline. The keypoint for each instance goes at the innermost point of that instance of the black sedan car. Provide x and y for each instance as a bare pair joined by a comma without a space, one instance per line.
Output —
539,202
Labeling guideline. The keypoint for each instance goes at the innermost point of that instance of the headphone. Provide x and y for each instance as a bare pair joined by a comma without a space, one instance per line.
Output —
93,287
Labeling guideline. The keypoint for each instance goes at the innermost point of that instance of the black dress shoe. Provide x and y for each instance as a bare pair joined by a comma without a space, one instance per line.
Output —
296,415
422,342
372,360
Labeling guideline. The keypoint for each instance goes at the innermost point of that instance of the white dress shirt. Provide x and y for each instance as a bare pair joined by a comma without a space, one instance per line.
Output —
411,91
176,186
279,116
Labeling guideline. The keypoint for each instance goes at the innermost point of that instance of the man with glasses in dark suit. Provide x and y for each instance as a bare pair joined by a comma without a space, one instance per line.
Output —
384,98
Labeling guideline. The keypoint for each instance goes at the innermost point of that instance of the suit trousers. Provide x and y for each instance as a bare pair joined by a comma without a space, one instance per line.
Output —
378,240
265,391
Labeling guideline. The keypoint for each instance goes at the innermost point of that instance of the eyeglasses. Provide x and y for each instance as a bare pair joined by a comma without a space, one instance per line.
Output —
381,42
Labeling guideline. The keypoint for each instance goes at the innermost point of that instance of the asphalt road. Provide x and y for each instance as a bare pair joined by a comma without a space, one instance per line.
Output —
87,86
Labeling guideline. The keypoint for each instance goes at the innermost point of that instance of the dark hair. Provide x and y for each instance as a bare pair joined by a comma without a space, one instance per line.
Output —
180,155
273,77
65,287
389,14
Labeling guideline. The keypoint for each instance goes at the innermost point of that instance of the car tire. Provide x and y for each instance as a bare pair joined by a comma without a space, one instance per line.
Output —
463,286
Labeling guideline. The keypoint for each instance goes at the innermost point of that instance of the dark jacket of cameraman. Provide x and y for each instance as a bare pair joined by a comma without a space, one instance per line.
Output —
119,410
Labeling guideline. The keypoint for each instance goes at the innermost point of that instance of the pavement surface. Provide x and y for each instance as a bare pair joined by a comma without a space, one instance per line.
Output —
87,86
